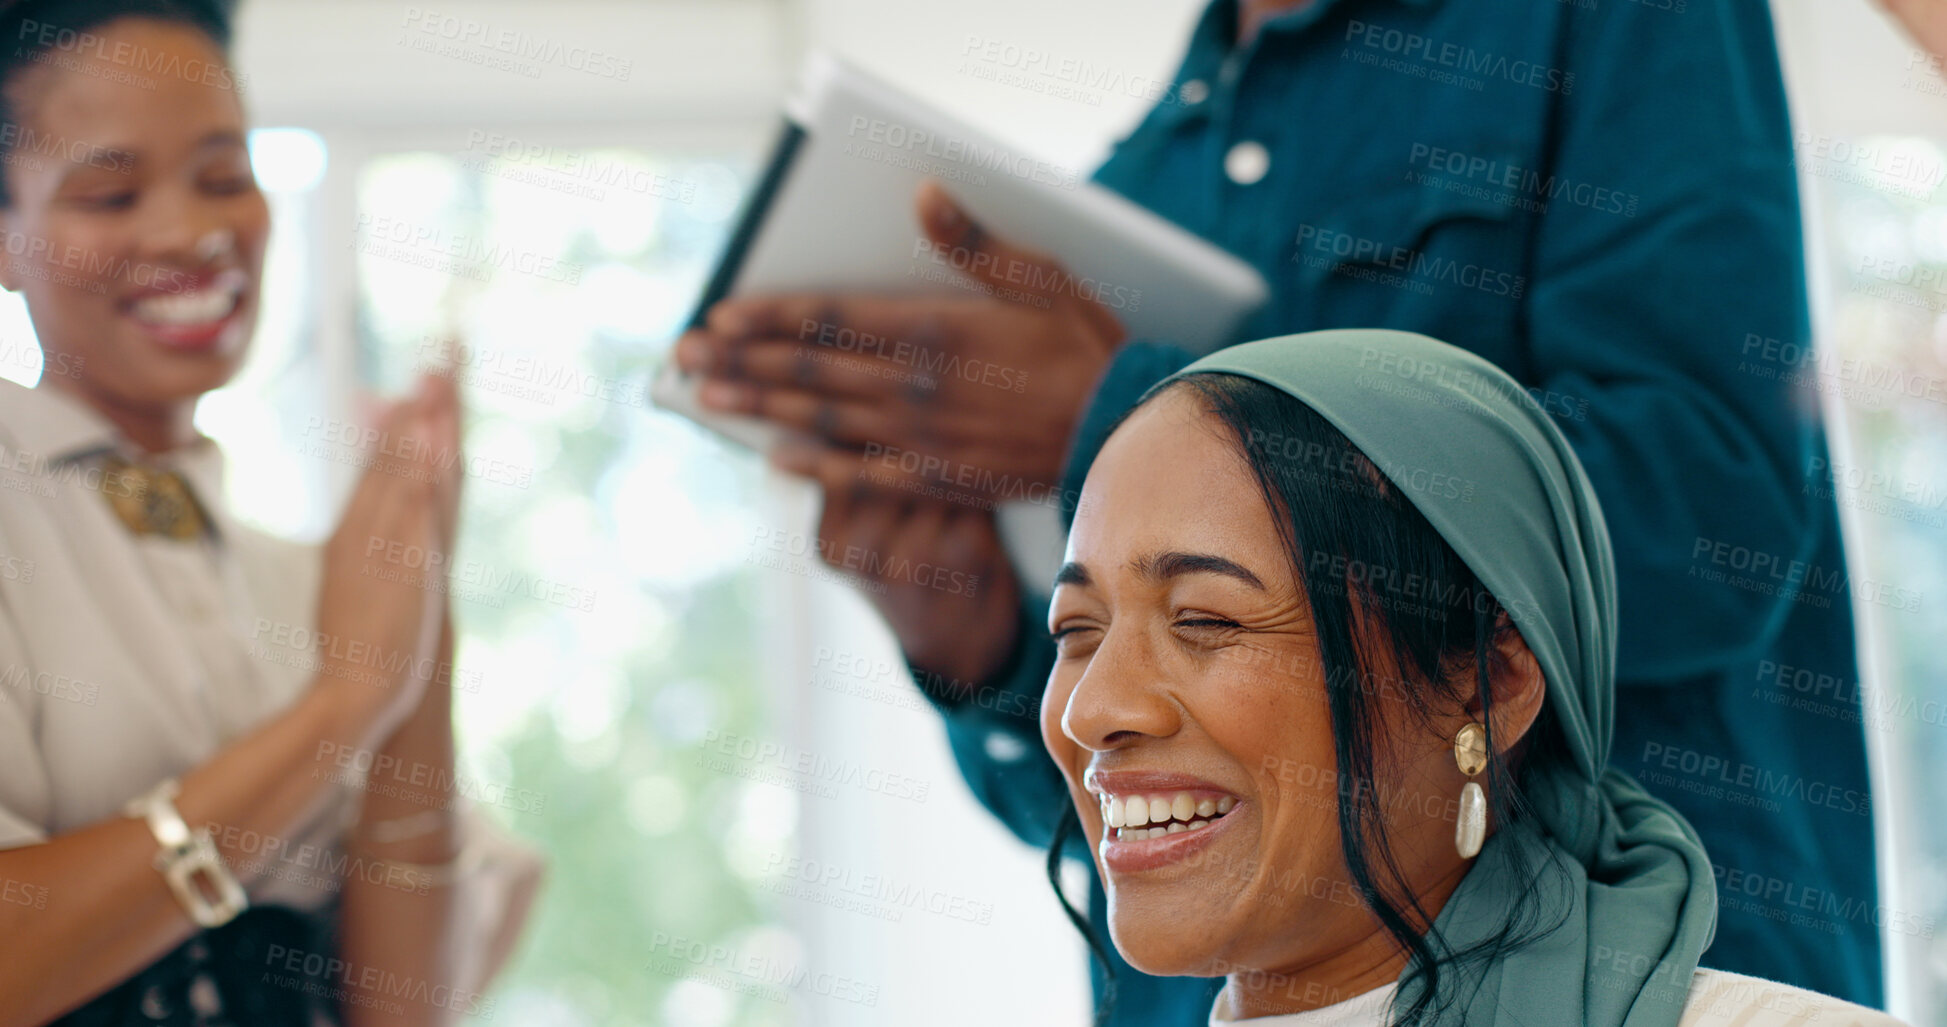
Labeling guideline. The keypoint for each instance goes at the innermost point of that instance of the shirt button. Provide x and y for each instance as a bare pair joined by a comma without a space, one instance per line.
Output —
155,1004
1003,748
1194,92
204,997
1247,162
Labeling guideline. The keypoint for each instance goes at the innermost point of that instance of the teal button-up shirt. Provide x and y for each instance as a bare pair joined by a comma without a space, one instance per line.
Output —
1598,196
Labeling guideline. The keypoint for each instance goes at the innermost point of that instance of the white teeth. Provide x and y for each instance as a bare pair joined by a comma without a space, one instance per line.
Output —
1131,817
1139,834
202,306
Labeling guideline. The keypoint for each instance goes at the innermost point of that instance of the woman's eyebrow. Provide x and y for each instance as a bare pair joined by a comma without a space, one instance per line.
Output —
1162,566
113,165
215,139
222,137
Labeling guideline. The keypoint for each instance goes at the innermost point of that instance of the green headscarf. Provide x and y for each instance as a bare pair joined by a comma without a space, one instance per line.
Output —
1641,905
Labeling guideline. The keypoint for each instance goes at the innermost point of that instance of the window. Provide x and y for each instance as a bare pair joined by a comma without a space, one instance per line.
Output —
600,587
1882,374
740,831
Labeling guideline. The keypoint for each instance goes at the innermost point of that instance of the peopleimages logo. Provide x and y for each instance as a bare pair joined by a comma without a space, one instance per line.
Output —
18,140
1517,179
93,266
1454,57
930,363
44,36
1033,276
1342,252
350,982
808,766
734,969
876,567
880,887
980,156
1785,894
433,247
518,44
1752,779
1023,65
582,167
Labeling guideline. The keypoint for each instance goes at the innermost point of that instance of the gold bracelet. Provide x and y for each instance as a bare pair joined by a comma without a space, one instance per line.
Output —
399,829
187,855
420,876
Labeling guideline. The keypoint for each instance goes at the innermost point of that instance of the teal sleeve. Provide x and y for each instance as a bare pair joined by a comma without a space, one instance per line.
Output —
1647,330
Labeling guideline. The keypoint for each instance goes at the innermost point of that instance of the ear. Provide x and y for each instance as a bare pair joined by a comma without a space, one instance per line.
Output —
1518,686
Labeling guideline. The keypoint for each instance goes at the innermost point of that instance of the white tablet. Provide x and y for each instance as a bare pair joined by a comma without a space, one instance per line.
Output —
835,211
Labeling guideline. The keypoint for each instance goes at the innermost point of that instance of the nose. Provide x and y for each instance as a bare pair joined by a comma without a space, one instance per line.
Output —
1122,698
184,232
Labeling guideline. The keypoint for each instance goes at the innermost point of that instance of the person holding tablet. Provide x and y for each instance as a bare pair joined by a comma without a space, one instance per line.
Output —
1599,199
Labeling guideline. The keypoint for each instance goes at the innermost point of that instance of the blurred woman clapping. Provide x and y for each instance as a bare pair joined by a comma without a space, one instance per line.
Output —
188,708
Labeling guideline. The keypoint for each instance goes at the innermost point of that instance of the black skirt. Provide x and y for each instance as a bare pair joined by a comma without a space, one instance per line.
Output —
272,966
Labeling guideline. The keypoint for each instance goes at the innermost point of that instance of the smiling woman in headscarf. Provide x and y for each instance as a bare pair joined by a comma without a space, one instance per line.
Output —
1333,699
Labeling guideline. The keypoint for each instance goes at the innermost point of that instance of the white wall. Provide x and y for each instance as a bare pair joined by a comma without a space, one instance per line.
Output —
1852,71
936,49
333,63
341,63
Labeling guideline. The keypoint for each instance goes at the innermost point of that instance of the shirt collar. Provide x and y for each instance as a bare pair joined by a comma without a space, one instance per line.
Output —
1365,1008
48,426
1216,31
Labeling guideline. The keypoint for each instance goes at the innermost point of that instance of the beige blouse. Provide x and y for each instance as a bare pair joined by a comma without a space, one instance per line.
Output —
125,660
1716,999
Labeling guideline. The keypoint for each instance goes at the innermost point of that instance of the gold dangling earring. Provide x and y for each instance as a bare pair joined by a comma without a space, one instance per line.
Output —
1470,752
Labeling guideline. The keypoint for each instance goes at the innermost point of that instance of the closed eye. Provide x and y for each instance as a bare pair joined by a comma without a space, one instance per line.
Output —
1207,632
1075,639
106,201
230,186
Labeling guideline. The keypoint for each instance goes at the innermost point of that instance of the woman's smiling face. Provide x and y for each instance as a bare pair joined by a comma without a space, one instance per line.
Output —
1188,691
137,233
